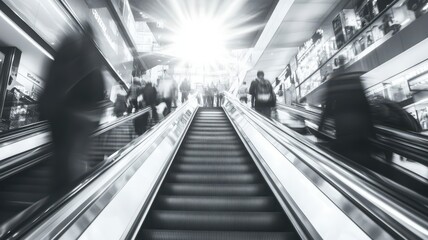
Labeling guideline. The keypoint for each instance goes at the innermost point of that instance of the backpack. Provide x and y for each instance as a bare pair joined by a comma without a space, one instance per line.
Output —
264,92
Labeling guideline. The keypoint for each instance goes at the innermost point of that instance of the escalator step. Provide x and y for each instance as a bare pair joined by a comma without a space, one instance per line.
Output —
197,168
217,138
219,203
212,153
212,134
184,189
212,146
208,130
215,235
228,178
212,160
219,221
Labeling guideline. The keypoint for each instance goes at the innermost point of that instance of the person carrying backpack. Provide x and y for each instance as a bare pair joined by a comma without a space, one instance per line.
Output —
264,97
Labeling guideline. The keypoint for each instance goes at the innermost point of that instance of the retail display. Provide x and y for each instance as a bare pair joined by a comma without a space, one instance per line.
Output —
345,25
366,12
355,32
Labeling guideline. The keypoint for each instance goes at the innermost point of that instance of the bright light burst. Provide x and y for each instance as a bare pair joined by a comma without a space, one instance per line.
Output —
200,41
203,29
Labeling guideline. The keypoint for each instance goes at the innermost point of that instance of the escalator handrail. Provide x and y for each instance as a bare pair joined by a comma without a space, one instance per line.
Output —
354,195
46,207
22,132
26,159
415,145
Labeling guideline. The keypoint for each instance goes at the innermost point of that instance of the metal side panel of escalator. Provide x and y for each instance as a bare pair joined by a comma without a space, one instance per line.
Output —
214,190
22,189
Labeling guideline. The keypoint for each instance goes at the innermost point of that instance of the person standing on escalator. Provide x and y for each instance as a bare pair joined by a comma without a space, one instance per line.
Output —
72,103
185,90
264,97
150,96
166,89
134,93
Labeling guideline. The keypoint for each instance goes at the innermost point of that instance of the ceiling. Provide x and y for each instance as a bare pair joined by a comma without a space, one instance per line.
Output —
245,18
301,21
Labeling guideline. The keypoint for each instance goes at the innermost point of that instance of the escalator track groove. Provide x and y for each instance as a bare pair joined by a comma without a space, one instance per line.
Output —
214,190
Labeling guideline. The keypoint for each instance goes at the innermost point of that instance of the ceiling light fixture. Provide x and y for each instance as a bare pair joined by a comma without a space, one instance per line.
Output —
25,35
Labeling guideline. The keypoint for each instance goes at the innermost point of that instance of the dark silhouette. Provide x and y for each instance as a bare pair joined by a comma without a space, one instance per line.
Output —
120,105
251,91
389,113
149,96
71,102
134,92
347,105
264,97
185,90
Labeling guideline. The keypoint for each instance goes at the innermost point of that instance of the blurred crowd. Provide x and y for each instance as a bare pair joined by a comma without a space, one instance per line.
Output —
345,102
73,98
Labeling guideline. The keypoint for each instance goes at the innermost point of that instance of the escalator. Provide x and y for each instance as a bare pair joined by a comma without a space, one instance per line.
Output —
406,177
22,187
214,190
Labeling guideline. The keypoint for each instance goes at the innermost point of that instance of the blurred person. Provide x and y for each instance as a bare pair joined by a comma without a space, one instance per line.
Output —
166,91
389,113
120,106
242,93
134,92
211,93
264,97
290,95
220,94
347,105
252,88
71,103
174,94
185,90
205,95
149,96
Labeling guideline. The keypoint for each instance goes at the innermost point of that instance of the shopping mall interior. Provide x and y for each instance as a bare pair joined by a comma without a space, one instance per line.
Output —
214,119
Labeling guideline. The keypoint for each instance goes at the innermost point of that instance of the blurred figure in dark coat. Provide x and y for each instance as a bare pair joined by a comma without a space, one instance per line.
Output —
150,96
347,105
71,102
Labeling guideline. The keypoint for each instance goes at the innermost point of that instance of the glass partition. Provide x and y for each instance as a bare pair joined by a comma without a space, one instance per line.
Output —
109,39
45,17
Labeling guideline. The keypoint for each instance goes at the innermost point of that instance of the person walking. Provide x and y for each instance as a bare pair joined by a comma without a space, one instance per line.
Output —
72,103
347,105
